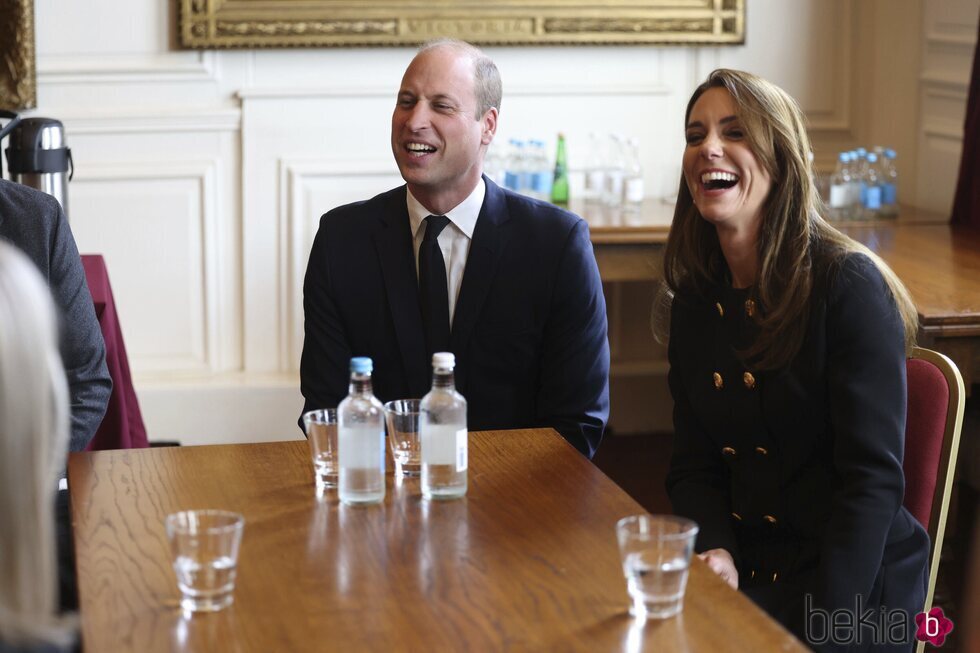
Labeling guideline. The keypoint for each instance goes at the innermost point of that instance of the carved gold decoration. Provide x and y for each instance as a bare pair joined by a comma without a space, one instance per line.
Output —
318,23
17,76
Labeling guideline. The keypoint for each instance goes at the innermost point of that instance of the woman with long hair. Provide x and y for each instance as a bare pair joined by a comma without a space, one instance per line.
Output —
34,429
787,367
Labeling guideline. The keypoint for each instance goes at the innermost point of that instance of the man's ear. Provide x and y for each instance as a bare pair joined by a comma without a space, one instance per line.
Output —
489,121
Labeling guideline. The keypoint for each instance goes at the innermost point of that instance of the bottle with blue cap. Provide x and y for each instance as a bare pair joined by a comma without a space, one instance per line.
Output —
442,432
360,439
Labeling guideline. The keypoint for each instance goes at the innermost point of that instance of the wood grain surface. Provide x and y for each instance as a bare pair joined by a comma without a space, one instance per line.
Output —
527,561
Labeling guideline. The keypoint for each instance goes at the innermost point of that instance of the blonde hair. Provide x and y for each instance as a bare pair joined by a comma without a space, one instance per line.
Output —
795,242
34,428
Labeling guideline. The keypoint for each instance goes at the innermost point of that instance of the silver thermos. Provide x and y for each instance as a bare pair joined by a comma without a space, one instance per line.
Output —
38,157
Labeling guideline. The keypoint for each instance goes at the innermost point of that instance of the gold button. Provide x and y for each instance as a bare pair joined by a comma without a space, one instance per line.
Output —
748,380
728,451
719,382
775,575
762,451
772,520
749,307
737,516
721,309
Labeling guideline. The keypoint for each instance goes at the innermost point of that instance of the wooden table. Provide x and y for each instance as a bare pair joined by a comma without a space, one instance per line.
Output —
527,561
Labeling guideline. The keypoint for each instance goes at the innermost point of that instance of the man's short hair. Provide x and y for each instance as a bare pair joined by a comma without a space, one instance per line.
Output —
486,78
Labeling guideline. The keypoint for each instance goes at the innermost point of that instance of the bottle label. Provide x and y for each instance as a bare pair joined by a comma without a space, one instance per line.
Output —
634,190
595,180
440,443
872,198
839,196
462,454
889,193
541,182
360,447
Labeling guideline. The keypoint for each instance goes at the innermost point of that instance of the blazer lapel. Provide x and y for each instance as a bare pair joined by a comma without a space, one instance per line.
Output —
394,242
481,266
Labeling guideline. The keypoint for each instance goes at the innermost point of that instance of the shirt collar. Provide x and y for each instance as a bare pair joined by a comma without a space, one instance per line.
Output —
463,215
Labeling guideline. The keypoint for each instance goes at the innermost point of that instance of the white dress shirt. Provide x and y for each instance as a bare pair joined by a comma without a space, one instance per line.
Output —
455,239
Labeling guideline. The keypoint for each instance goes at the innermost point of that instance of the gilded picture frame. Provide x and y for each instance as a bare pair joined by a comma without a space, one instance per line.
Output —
206,24
18,88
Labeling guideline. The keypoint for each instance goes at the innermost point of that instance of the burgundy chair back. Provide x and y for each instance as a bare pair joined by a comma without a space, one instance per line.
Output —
122,427
925,426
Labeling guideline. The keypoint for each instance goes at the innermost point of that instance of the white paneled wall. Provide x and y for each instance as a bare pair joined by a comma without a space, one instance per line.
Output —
201,175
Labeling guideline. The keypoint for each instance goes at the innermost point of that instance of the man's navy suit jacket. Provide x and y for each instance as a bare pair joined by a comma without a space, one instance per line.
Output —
529,330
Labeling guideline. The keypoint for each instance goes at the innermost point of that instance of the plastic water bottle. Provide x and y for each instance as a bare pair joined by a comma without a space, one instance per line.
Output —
361,439
541,173
514,170
872,188
615,171
889,185
633,178
840,189
494,164
595,171
442,432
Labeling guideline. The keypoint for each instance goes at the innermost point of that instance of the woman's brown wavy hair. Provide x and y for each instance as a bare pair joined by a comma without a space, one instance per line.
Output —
795,242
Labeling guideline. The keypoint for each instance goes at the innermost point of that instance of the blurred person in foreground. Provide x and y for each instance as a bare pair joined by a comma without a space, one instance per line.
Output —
34,433
787,367
449,261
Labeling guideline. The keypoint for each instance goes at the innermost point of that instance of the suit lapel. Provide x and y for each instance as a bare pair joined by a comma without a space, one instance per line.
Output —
393,239
481,266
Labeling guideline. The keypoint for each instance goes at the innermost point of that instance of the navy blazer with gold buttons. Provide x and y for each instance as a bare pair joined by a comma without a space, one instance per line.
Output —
529,330
798,472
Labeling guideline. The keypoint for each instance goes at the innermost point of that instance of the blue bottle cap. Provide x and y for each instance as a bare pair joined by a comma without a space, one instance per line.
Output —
890,153
361,365
844,157
861,151
872,157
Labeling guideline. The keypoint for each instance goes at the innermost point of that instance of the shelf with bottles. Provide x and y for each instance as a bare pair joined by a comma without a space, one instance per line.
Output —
864,186
611,168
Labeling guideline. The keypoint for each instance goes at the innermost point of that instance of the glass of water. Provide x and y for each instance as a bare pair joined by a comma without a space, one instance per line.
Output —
321,433
656,554
204,544
402,416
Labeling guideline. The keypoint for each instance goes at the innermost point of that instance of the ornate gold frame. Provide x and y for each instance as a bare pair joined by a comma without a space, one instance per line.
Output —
17,77
318,23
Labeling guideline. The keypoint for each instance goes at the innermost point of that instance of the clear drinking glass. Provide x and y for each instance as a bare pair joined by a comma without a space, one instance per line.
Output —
321,433
402,416
656,554
204,544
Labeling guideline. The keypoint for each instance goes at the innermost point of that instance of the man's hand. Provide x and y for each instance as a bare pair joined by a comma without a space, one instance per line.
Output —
721,563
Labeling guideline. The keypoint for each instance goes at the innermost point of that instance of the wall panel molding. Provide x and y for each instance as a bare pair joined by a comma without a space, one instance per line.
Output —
127,69
202,353
152,122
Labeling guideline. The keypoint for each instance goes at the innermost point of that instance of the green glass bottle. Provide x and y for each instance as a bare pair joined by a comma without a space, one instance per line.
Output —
559,188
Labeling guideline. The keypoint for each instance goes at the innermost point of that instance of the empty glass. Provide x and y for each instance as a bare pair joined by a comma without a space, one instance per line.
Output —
402,416
656,554
321,433
204,544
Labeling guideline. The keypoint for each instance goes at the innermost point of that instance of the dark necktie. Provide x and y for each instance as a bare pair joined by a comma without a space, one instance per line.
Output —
433,289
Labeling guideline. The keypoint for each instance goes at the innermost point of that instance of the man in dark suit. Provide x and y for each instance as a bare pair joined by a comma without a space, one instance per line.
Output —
451,262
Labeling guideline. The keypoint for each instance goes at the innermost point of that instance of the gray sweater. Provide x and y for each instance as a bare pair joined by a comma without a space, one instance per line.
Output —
34,222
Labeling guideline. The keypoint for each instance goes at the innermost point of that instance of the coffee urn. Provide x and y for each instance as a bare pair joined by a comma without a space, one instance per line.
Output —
38,157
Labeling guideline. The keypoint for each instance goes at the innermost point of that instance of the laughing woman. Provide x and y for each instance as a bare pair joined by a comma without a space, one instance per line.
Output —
787,368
